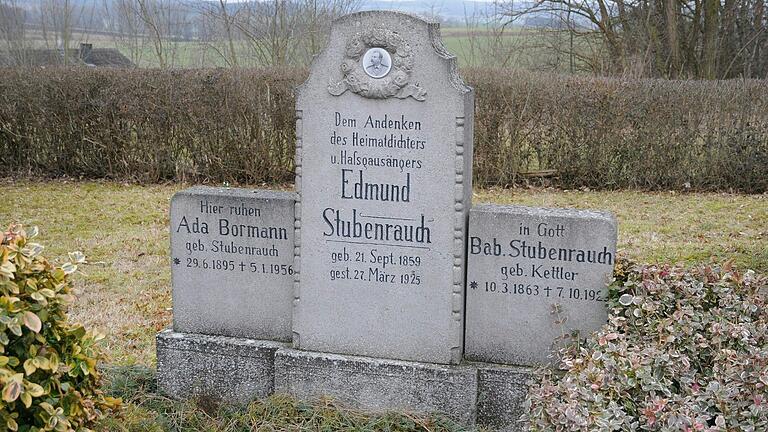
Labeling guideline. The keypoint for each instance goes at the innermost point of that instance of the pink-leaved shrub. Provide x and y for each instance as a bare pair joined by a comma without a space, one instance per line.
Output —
684,350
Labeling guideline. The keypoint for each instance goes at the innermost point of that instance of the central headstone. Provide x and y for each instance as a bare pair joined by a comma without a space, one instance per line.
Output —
383,173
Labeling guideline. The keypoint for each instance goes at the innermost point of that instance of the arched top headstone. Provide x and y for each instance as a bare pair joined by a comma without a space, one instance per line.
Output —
384,178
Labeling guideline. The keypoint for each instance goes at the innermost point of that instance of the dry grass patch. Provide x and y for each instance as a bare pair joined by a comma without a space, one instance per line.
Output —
123,230
668,226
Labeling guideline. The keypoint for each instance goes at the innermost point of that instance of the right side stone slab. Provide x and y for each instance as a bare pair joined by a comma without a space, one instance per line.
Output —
501,393
534,277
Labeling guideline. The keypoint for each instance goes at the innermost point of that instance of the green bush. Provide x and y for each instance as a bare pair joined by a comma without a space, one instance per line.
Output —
47,365
684,350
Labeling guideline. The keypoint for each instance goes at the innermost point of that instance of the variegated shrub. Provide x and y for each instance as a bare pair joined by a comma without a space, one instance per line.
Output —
48,369
684,350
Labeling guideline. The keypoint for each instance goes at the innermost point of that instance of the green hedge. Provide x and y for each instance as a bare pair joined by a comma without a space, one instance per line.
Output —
220,125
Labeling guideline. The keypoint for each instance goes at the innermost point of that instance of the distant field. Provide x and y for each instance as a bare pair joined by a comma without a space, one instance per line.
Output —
481,47
473,47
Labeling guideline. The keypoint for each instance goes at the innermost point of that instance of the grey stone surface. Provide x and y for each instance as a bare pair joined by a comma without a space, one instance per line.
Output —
383,172
378,385
534,274
234,370
501,392
232,262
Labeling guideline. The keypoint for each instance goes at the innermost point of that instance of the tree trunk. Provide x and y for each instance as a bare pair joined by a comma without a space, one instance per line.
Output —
614,45
711,25
759,62
672,10
230,38
730,42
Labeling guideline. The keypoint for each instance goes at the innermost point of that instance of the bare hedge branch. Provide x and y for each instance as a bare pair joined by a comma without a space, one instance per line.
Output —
217,125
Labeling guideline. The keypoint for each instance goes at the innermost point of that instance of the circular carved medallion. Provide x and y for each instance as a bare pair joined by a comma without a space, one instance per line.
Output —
378,64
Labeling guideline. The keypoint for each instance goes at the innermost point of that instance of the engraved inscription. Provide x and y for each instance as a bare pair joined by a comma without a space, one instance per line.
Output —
384,182
232,262
536,278
231,238
534,264
366,246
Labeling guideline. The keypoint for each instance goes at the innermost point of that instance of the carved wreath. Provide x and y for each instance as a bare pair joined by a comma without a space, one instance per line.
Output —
394,84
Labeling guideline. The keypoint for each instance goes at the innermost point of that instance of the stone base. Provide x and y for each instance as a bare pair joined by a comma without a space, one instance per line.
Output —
501,391
379,385
230,369
239,370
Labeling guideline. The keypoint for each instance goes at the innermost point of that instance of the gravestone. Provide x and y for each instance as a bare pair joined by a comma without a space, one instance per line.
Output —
534,275
232,262
365,271
383,173
232,274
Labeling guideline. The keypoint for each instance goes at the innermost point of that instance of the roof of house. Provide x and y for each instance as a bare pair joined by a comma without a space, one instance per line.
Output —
108,57
99,57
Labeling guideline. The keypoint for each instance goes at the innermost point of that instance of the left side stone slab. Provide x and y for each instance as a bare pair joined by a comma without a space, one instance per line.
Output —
233,369
232,262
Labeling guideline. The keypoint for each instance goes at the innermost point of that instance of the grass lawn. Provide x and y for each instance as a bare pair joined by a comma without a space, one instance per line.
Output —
123,230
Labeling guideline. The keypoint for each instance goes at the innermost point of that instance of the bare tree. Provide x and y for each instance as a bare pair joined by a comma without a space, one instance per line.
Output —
666,38
315,19
159,24
150,14
13,31
281,32
218,30
56,19
228,31
126,27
